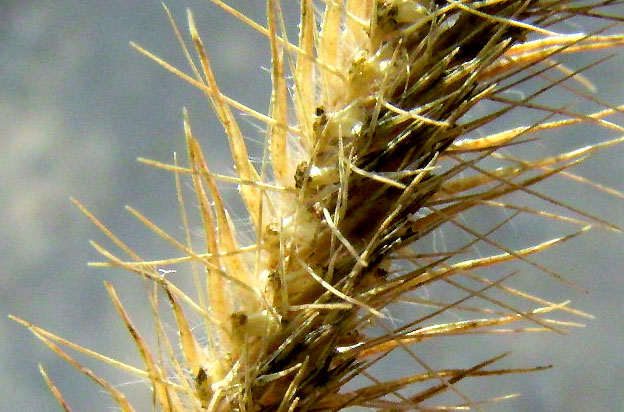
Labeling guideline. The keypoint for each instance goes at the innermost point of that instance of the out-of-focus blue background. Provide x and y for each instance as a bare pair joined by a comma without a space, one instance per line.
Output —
78,106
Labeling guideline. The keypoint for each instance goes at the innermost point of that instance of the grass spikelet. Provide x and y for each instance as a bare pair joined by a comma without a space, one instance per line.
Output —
388,124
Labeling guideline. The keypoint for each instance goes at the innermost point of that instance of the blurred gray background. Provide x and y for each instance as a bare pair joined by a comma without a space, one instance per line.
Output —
78,106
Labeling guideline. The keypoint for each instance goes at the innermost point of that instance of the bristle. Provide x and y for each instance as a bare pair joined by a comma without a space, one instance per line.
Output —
155,374
277,136
244,168
57,394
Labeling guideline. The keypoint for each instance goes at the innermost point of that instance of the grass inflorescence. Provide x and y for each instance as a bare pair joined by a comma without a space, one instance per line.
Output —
378,137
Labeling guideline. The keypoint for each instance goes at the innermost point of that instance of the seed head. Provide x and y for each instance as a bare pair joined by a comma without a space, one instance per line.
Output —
374,143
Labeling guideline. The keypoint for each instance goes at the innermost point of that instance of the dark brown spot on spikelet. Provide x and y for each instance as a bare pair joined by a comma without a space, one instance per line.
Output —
374,153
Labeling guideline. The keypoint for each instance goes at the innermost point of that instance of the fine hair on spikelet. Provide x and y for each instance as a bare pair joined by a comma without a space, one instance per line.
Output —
390,122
